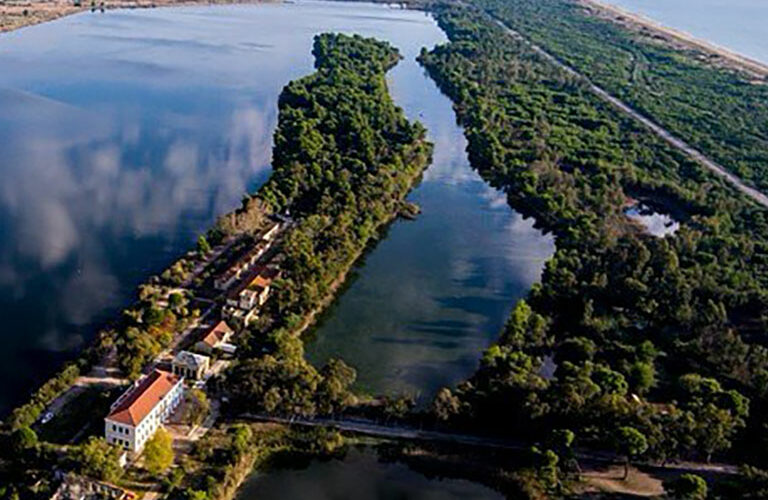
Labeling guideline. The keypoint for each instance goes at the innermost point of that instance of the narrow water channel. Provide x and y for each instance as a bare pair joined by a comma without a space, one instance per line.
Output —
437,290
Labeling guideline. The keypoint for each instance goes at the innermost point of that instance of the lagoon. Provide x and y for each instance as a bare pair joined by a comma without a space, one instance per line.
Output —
124,134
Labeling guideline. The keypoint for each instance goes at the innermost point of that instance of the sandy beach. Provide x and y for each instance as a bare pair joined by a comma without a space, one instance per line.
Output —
645,26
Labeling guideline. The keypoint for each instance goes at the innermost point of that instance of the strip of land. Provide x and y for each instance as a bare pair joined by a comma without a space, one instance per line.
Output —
657,129
681,39
344,159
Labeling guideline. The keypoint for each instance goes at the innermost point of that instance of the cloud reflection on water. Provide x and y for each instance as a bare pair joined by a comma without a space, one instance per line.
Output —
79,185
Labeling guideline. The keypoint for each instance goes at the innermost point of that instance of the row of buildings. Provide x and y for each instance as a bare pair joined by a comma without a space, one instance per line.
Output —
137,414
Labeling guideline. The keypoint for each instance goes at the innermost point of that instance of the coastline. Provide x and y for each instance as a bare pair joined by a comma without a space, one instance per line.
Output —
19,14
679,39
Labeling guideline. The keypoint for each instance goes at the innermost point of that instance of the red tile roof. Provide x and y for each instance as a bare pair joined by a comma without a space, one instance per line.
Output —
217,333
255,271
143,398
259,282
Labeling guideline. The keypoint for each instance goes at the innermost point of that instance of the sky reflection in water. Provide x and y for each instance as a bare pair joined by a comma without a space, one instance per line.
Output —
124,134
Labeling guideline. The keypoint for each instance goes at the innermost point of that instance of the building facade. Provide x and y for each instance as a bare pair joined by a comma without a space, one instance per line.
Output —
190,365
140,411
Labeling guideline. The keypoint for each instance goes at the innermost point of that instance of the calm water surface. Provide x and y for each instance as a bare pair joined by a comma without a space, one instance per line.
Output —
656,223
360,475
738,25
437,290
124,134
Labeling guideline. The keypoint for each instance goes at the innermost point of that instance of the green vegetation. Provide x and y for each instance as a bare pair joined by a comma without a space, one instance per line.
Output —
686,487
22,439
345,157
147,328
27,414
158,452
630,443
720,112
81,417
284,383
660,335
196,407
229,453
100,460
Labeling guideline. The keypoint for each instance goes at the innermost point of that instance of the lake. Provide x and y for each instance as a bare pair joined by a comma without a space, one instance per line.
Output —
737,25
361,475
124,134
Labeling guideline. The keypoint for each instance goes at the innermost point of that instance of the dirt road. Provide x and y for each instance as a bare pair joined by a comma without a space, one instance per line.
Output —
660,131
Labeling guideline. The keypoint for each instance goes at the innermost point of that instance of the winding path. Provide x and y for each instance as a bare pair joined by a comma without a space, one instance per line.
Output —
660,131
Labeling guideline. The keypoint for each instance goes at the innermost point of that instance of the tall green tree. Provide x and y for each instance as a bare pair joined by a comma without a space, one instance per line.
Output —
158,452
630,443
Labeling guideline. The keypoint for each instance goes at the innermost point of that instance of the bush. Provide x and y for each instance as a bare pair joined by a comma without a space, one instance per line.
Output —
686,487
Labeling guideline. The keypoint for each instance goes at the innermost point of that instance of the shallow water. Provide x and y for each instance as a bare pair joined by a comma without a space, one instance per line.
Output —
655,223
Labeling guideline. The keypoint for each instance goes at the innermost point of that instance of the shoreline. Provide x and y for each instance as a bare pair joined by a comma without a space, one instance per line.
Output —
19,14
678,39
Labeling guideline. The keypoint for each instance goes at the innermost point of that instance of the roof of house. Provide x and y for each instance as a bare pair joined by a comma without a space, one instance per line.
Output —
217,334
244,260
191,359
235,291
259,282
139,401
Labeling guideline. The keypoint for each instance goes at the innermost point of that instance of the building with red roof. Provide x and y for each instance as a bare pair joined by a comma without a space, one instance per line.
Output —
140,410
220,334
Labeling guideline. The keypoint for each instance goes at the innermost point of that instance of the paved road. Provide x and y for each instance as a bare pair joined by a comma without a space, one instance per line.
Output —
660,131
370,428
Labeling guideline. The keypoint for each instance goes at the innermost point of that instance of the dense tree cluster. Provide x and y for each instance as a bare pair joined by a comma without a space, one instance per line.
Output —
285,383
719,111
663,336
98,459
147,328
158,452
344,158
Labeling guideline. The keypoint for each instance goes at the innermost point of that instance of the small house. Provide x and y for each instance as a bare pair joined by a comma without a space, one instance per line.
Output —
190,365
212,339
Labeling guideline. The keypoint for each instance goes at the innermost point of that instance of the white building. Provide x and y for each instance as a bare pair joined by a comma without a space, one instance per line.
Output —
271,231
190,365
138,413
